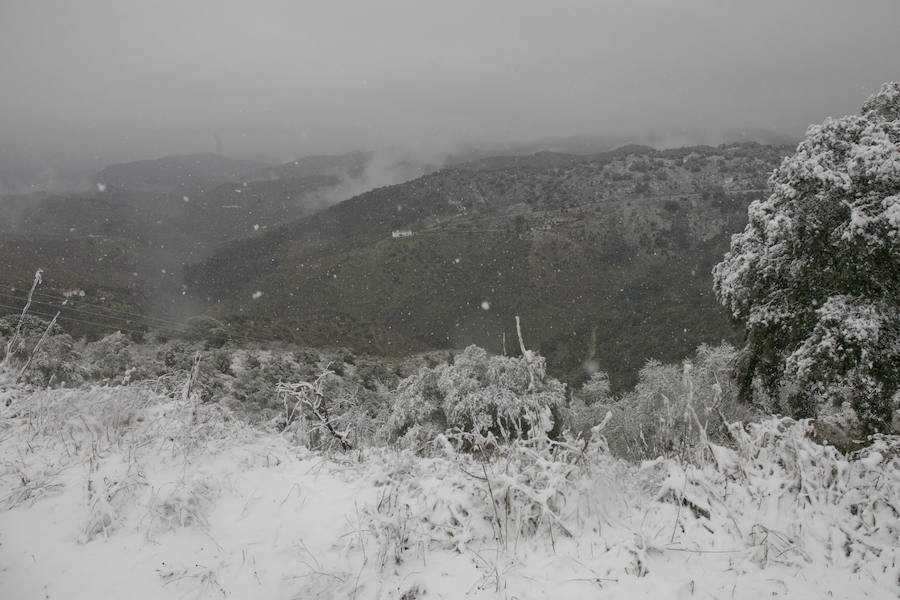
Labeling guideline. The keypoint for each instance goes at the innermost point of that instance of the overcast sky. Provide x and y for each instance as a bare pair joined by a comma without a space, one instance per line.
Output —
123,79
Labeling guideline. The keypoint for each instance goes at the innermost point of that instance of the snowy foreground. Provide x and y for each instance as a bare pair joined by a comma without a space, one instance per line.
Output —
126,493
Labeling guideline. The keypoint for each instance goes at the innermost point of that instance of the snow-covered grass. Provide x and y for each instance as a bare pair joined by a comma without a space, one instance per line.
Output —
127,492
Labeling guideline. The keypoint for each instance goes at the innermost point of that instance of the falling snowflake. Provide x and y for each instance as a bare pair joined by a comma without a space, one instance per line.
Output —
257,294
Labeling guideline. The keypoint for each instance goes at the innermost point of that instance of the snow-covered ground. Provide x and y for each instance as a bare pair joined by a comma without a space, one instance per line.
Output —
121,492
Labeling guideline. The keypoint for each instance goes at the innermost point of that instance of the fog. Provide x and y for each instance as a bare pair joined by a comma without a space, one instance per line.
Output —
97,81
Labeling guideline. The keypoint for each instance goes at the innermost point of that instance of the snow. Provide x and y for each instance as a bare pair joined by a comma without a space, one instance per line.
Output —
125,492
872,460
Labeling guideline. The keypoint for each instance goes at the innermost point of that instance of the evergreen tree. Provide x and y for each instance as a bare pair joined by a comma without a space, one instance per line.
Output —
815,276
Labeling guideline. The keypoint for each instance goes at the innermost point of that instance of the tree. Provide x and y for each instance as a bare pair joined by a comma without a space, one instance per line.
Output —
815,276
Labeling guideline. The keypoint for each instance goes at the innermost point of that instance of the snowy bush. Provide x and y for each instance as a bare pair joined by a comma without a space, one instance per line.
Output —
507,397
47,351
259,372
794,501
315,412
110,358
205,329
589,405
54,363
674,410
258,380
815,276
109,433
180,504
112,486
596,389
450,501
184,500
375,375
174,362
175,356
332,411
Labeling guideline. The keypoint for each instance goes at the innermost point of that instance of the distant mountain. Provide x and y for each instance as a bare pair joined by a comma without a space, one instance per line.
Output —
547,158
607,260
126,248
542,159
234,210
357,172
168,229
174,228
175,172
762,136
490,155
352,164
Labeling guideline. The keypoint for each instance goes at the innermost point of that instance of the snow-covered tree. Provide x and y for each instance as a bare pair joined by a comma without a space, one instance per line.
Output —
815,276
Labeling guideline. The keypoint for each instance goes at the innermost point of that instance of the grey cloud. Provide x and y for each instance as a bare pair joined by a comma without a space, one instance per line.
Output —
104,80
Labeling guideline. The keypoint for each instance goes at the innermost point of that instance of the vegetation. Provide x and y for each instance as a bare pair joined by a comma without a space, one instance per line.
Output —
604,257
581,247
504,398
815,276
597,269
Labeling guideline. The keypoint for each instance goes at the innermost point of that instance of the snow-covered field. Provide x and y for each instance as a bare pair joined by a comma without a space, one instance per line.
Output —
121,492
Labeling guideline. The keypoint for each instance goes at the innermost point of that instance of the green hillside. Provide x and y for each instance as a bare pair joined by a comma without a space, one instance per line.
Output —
606,260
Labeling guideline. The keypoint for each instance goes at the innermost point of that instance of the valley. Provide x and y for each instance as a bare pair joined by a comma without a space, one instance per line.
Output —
606,258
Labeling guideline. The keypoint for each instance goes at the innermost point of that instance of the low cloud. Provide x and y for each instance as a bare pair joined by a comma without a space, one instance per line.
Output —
98,81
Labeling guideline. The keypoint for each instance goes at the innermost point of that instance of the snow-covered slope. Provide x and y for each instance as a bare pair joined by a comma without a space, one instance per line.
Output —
126,492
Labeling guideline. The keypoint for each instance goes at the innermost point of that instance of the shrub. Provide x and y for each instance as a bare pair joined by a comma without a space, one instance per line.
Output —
109,357
175,355
205,329
53,362
375,374
258,380
674,410
596,388
501,396
588,406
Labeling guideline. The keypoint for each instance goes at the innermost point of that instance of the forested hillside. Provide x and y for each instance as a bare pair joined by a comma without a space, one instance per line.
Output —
607,260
